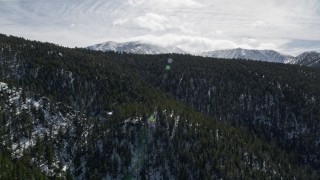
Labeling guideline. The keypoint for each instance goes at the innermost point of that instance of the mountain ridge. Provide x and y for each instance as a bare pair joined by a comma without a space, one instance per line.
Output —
140,47
309,58
252,54
136,47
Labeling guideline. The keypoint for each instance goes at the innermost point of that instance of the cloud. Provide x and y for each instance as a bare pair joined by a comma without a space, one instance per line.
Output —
120,22
303,43
152,21
219,32
271,46
297,46
160,23
179,3
258,24
194,44
193,24
165,3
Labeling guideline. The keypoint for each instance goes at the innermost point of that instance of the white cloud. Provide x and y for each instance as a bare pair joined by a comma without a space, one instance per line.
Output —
252,42
152,21
267,46
120,22
194,44
179,3
219,32
193,24
165,3
258,24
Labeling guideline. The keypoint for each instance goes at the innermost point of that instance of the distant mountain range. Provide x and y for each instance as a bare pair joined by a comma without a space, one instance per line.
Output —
252,54
311,59
137,47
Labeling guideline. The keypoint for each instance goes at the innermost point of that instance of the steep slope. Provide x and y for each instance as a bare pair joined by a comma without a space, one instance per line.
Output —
18,168
311,59
82,114
135,47
260,55
276,102
35,126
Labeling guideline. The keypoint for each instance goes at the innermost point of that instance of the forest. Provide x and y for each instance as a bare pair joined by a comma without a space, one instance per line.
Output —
81,114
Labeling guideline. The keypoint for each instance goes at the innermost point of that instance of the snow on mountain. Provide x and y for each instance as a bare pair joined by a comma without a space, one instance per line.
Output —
311,58
135,47
34,120
260,55
138,47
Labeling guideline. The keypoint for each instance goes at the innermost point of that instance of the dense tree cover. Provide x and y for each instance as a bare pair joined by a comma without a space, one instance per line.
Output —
101,117
17,169
277,102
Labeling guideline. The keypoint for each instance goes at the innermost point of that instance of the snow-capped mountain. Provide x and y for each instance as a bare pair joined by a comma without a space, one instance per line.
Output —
136,47
311,58
239,53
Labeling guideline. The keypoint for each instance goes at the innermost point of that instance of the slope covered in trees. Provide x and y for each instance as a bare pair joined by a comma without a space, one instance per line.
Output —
276,102
89,115
18,169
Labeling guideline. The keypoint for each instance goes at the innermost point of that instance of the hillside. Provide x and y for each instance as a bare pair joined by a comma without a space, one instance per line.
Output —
276,102
84,114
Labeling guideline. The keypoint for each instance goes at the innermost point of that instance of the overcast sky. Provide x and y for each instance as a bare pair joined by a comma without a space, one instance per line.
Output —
289,26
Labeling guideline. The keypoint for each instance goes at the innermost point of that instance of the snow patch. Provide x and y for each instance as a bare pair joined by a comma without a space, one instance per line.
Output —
3,86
